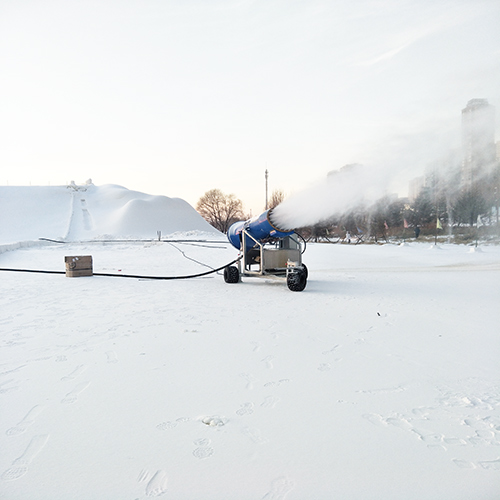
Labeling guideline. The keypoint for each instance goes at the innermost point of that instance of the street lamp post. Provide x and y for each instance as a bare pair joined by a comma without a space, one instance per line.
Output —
267,175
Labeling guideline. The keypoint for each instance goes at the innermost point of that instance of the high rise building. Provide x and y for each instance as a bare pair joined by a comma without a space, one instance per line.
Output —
478,141
415,187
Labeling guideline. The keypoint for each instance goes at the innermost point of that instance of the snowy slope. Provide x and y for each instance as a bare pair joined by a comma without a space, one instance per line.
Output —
27,213
74,213
379,381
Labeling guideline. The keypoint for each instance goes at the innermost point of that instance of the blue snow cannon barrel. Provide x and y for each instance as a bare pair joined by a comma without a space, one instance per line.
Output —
260,228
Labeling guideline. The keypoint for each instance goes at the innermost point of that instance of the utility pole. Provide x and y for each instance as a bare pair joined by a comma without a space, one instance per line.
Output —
267,175
496,202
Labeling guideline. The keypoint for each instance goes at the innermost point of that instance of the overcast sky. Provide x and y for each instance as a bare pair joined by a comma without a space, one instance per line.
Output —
176,97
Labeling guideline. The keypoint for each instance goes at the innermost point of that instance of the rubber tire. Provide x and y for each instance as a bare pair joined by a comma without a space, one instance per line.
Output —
305,270
296,281
231,274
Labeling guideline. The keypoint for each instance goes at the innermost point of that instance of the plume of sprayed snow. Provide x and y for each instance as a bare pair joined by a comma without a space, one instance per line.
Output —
342,190
388,164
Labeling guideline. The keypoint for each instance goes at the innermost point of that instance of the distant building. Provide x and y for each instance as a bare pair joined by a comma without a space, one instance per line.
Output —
440,176
478,141
443,174
350,167
415,187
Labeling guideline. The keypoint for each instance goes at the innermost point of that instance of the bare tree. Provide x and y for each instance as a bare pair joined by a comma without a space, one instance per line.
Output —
277,197
219,209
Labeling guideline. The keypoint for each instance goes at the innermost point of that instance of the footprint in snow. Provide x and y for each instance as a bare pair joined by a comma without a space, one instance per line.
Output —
20,465
463,464
269,402
203,450
75,373
250,380
280,488
111,357
268,362
492,465
72,396
246,409
157,485
254,434
163,426
28,420
324,367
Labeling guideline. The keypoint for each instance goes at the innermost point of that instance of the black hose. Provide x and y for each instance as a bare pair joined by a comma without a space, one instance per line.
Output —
31,271
53,241
305,243
189,258
129,275
134,241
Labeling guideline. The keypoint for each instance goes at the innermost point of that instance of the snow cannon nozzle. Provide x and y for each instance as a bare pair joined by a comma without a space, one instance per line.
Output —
272,220
260,228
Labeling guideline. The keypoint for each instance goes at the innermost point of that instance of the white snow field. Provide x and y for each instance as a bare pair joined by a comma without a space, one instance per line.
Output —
379,381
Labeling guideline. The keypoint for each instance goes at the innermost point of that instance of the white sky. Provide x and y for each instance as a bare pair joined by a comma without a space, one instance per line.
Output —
177,97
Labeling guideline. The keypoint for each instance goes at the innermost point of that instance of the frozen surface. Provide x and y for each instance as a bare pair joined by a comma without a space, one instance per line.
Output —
379,381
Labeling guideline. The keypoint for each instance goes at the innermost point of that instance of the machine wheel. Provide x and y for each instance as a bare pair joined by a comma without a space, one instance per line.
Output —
296,281
231,274
305,270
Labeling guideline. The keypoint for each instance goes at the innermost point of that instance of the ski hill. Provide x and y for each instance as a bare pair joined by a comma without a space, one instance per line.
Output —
89,212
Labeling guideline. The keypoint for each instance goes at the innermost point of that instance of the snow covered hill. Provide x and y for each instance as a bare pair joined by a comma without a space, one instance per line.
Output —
86,212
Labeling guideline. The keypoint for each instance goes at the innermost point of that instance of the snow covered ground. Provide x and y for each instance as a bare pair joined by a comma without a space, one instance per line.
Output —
379,381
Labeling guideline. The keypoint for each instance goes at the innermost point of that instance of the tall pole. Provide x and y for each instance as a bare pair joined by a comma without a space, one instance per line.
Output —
437,225
496,202
267,175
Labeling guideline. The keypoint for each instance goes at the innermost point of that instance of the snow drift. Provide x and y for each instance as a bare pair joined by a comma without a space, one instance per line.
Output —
76,213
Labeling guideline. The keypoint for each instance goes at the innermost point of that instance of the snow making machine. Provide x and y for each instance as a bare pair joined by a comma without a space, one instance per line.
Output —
267,251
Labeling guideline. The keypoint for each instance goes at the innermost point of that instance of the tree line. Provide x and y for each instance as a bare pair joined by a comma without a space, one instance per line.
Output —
446,206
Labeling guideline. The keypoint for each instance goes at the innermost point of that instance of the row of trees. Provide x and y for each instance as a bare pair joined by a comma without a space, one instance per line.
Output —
444,204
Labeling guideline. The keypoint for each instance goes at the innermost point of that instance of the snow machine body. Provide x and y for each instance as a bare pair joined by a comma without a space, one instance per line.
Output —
267,251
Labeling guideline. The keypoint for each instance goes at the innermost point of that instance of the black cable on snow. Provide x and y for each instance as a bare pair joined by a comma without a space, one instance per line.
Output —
53,241
189,258
196,244
188,242
129,275
31,271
